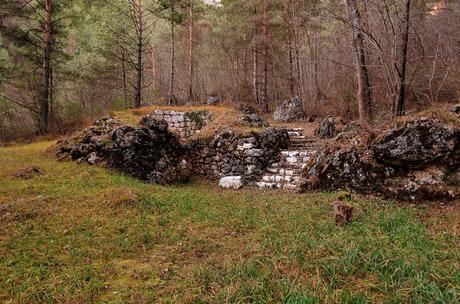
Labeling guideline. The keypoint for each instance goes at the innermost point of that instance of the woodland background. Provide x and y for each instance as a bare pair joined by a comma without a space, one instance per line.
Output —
75,60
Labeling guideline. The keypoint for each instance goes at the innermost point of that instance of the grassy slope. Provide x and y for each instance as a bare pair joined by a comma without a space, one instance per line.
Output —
81,234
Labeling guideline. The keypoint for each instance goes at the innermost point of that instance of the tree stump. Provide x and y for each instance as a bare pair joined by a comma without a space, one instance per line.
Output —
343,213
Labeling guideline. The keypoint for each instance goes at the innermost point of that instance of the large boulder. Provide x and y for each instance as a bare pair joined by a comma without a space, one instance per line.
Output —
290,110
419,143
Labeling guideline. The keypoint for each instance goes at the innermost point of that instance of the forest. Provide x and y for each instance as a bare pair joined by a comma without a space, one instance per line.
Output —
64,63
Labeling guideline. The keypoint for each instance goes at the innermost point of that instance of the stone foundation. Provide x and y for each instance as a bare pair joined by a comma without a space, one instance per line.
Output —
184,124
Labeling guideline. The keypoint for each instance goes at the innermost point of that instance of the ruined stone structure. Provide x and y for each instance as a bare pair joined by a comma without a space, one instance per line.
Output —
184,124
418,159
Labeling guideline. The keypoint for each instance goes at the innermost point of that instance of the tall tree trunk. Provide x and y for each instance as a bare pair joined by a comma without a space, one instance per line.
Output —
245,61
255,81
291,65
364,87
123,72
400,105
48,39
139,31
171,97
154,69
266,59
190,54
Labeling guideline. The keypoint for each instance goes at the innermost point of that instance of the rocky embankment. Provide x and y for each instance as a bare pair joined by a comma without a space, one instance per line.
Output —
418,159
153,153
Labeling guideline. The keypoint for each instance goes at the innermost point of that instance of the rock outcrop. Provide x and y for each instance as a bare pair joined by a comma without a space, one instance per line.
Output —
419,160
289,111
419,143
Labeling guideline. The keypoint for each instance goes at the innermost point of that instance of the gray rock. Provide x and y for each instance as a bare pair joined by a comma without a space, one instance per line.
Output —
253,120
231,182
327,128
418,144
213,100
290,110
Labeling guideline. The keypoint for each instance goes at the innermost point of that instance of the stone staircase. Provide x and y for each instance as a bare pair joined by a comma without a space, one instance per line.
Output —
286,173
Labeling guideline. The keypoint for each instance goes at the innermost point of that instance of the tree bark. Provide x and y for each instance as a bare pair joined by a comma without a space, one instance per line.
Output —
154,69
291,65
255,81
190,54
364,88
266,59
48,39
400,105
123,72
245,61
139,32
173,53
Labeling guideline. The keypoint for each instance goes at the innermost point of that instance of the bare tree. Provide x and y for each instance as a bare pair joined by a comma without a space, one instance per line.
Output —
47,40
140,41
400,105
364,94
190,54
265,55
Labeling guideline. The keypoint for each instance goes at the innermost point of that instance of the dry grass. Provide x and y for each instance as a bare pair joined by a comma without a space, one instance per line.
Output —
83,234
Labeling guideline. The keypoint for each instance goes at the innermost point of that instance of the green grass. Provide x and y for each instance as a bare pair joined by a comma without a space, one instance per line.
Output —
82,234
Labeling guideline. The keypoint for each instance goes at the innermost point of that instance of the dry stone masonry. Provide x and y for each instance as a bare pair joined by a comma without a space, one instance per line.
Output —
415,159
184,124
286,174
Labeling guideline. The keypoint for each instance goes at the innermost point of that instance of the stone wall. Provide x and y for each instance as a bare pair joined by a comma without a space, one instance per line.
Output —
233,154
184,124
152,153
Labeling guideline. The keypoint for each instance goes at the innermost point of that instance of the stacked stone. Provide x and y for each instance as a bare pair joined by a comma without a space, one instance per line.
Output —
179,123
286,174
234,155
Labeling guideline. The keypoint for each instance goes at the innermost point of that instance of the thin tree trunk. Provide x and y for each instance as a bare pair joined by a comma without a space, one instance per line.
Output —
139,30
400,105
123,71
190,54
291,65
364,88
48,37
266,59
245,61
51,118
173,54
255,62
154,69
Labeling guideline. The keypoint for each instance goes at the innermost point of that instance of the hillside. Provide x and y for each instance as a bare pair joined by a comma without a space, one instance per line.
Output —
81,234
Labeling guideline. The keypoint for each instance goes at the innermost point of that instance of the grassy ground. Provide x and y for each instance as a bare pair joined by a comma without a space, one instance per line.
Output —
81,234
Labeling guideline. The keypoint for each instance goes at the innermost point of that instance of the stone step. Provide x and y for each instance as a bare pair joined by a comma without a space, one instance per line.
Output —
286,186
280,178
294,133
